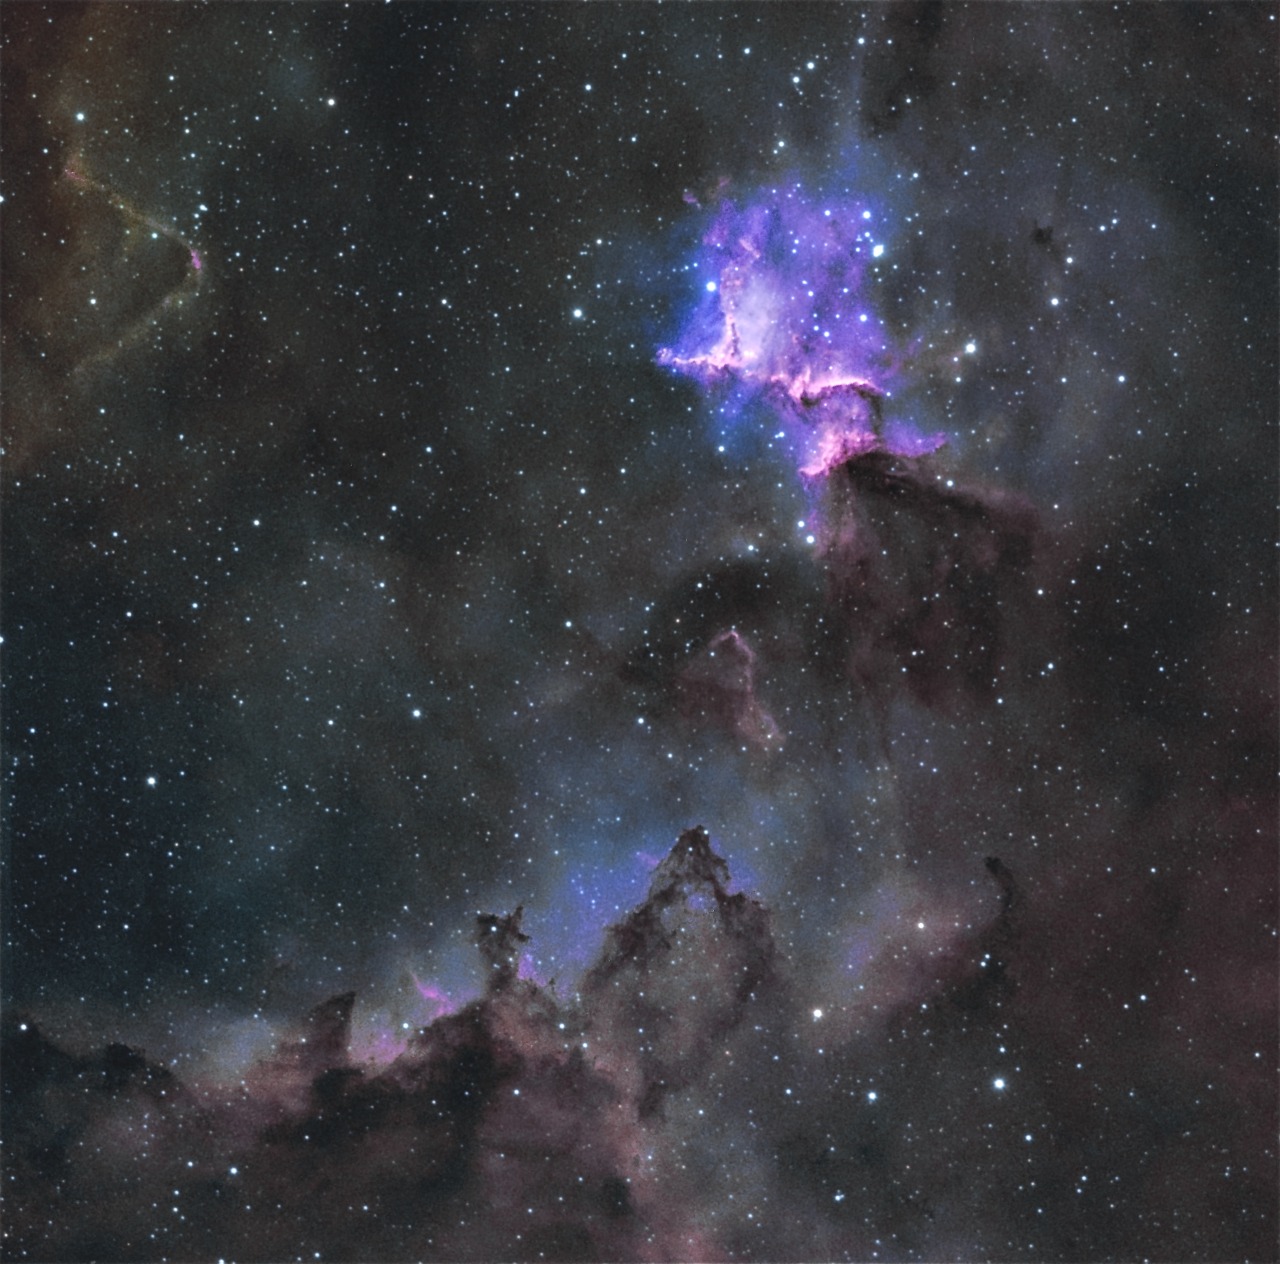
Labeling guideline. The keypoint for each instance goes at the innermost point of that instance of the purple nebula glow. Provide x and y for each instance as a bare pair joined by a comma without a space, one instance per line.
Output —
429,992
784,317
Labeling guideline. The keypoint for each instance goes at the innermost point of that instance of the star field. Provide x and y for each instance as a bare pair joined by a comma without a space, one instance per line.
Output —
639,632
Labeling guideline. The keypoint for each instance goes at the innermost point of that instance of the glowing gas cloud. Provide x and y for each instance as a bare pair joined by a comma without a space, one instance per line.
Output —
784,316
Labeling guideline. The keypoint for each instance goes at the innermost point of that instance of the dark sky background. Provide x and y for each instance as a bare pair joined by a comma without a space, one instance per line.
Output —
366,574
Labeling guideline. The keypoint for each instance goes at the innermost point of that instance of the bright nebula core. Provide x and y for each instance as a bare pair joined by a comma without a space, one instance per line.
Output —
787,318
639,632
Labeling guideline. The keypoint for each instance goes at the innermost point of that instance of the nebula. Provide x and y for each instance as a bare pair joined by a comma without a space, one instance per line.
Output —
127,269
931,577
719,688
788,316
454,450
520,1123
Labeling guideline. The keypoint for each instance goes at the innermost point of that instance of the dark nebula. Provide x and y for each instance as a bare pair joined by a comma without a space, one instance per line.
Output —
930,577
452,451
539,1118
719,686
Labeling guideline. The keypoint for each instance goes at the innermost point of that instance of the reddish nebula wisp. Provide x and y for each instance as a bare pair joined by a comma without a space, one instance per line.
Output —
429,992
784,316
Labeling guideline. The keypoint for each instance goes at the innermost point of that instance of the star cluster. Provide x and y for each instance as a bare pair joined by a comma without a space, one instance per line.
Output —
782,320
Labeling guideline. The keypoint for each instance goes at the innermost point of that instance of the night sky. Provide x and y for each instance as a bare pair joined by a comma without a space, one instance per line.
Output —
640,632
